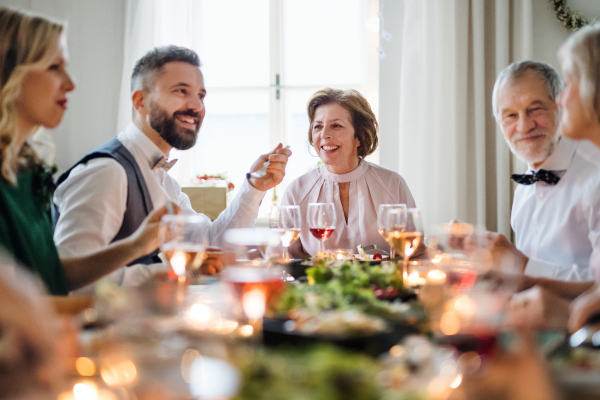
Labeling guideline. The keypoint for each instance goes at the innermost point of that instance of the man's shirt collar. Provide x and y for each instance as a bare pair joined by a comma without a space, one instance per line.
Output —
144,143
561,157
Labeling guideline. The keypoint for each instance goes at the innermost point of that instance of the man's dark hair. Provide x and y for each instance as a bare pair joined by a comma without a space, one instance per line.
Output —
147,67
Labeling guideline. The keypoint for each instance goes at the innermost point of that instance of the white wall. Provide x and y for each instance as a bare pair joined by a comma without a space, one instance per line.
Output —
95,37
548,35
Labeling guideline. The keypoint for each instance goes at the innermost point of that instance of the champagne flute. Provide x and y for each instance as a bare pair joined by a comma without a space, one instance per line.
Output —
183,241
321,222
288,223
274,217
382,221
407,240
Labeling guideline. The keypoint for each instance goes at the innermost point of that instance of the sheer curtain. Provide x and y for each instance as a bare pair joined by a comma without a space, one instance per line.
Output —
452,154
149,23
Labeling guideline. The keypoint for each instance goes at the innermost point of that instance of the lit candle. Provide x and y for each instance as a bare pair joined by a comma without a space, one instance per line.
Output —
87,390
254,303
436,277
200,316
178,261
415,280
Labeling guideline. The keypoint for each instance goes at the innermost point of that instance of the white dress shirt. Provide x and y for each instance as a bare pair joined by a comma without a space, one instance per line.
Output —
558,226
92,203
370,186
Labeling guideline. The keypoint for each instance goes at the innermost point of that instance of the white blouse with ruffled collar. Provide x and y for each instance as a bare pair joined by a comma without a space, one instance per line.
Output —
370,186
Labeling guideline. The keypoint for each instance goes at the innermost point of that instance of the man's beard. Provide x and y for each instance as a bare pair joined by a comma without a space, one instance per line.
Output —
176,136
529,153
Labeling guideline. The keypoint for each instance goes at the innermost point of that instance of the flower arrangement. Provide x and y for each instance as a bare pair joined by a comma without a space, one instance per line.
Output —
215,177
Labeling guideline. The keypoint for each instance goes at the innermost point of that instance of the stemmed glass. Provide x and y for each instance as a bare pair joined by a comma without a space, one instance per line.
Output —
183,241
254,283
286,219
405,233
382,221
321,222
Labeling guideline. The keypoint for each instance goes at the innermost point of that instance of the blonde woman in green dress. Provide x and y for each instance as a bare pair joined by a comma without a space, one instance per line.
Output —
34,84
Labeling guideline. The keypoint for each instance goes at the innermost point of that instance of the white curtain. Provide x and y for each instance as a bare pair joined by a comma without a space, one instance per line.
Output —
148,24
452,155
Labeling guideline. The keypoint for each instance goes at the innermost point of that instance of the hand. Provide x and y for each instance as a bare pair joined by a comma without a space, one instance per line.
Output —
538,308
145,238
213,264
503,253
275,171
583,307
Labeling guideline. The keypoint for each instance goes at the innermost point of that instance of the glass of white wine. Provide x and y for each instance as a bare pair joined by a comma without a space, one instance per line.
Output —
183,241
382,221
287,220
405,234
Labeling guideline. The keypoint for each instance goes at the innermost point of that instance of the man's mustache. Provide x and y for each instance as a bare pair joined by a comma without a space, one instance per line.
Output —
188,113
520,136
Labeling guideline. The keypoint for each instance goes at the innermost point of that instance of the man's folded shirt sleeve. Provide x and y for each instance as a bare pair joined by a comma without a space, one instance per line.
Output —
544,269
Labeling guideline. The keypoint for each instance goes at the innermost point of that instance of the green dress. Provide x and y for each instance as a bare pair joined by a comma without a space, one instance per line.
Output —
26,229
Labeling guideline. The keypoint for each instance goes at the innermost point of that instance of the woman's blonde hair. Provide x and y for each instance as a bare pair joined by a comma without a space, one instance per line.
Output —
580,58
363,118
28,42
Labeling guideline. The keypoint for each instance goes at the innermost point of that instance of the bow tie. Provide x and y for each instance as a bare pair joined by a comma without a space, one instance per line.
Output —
163,163
542,175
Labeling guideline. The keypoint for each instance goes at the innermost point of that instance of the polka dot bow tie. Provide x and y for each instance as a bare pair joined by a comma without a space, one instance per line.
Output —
542,175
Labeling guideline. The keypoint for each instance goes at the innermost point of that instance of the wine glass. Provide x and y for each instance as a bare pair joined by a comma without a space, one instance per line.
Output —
321,222
405,233
382,220
287,222
183,241
255,284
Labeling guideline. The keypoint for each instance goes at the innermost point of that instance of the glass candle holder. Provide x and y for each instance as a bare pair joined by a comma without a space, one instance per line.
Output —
341,254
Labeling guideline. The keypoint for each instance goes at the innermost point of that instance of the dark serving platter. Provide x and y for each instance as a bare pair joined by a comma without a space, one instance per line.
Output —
275,334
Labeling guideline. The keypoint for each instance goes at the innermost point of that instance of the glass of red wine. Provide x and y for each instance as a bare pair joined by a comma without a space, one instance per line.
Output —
321,222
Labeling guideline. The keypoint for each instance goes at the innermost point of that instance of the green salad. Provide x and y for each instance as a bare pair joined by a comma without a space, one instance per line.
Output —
349,286
318,373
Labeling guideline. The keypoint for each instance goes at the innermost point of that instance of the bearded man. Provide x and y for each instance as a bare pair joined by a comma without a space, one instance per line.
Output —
106,195
556,207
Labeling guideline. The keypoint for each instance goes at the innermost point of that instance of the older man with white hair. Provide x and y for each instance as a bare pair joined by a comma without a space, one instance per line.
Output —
556,207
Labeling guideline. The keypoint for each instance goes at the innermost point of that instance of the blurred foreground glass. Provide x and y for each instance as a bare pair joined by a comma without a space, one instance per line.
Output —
255,283
183,241
405,234
321,222
382,215
287,221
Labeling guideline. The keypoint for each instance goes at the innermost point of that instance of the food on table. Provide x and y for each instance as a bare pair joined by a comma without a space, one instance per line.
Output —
322,372
349,286
340,324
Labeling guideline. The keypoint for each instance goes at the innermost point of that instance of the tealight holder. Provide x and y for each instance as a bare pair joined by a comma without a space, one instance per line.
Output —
417,273
341,254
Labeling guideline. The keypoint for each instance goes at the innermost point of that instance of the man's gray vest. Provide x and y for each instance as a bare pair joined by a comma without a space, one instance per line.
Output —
139,203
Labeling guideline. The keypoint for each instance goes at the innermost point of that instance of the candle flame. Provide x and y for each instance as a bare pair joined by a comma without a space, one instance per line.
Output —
85,391
456,382
178,261
246,330
254,303
200,313
436,276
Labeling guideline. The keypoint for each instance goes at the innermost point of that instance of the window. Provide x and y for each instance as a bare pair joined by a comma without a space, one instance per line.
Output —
262,60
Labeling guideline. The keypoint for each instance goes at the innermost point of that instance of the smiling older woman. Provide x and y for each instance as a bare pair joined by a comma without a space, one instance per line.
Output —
343,131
